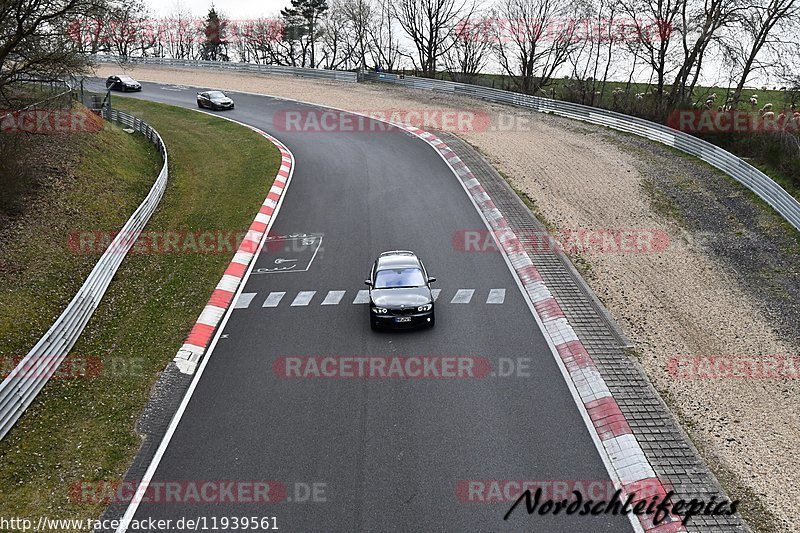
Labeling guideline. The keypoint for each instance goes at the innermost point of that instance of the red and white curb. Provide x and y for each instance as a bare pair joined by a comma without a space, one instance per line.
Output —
200,337
625,456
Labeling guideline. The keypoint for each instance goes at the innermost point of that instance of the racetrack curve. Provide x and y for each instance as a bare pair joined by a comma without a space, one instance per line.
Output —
390,452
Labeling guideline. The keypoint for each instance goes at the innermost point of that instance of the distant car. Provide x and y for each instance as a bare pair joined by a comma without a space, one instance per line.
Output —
214,100
123,83
400,291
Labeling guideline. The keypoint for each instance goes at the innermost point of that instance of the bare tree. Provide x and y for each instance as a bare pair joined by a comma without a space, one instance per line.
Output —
471,49
261,41
760,22
534,38
430,25
359,16
700,23
35,40
608,38
385,45
338,41
87,30
125,28
653,24
594,32
179,34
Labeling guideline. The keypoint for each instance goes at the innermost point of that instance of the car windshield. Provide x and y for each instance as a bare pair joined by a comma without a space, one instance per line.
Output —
216,94
394,278
126,78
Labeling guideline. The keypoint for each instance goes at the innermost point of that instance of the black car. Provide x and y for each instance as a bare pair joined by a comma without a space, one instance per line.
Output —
214,100
400,291
123,83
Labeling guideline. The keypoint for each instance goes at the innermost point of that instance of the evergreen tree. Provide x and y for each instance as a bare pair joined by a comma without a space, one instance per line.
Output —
215,44
301,22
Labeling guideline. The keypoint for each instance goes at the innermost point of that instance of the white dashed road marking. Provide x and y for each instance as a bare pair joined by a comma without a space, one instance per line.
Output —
244,300
463,296
274,299
496,296
303,298
333,297
362,297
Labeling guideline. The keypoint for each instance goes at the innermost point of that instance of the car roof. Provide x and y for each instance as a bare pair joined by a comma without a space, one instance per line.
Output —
397,258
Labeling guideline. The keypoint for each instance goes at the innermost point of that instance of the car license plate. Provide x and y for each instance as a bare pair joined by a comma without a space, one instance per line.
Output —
403,319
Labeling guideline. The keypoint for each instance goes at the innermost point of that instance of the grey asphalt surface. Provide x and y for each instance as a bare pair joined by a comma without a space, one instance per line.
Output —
389,453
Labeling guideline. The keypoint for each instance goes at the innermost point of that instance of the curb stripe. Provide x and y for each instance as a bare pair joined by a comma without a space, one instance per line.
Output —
201,334
624,452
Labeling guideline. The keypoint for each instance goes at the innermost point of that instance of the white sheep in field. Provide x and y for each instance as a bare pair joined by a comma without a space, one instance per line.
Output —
754,100
767,107
639,96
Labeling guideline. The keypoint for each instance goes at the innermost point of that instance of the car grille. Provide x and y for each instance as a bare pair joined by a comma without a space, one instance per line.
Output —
402,312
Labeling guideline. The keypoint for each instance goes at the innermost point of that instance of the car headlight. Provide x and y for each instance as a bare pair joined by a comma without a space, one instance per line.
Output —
426,307
380,310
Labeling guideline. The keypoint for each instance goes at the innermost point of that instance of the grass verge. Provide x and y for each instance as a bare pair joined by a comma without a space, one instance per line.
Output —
82,429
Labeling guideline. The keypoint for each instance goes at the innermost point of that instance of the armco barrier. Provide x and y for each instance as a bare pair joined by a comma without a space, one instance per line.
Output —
337,75
25,381
749,176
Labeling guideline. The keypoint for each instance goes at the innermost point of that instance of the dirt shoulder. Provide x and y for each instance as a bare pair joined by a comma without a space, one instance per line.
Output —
727,284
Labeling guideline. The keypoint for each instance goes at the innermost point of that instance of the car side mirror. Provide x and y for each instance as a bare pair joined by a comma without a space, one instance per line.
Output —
368,282
431,279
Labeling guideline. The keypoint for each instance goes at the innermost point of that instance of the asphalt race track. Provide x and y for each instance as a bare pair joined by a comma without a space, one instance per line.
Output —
383,454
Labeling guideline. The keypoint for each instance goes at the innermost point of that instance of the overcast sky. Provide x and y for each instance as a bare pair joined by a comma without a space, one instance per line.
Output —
232,9
250,9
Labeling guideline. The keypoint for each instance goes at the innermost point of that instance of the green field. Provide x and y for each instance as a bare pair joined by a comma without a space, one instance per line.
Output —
82,428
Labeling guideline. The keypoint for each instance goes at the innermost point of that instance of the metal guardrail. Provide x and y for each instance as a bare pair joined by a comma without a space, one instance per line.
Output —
64,97
25,381
749,176
337,75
